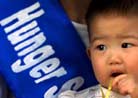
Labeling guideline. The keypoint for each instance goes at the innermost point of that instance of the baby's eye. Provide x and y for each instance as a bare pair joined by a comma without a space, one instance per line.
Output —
126,45
101,47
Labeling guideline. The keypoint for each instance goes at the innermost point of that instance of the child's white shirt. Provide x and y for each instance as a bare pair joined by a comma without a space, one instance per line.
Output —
92,92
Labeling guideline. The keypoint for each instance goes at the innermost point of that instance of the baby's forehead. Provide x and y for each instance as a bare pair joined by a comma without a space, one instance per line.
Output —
113,23
109,18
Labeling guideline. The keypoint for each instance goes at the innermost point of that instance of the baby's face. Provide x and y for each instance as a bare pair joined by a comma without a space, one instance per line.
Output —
114,47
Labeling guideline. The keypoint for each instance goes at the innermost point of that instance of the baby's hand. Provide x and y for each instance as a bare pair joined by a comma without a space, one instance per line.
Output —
126,84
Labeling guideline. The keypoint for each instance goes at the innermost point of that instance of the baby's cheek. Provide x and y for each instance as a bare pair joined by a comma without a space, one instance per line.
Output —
131,66
102,78
136,77
133,70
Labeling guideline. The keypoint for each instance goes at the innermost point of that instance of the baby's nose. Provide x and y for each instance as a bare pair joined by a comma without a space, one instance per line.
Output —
115,59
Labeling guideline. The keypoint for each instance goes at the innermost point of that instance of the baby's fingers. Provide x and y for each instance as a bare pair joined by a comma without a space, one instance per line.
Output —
117,79
123,87
119,84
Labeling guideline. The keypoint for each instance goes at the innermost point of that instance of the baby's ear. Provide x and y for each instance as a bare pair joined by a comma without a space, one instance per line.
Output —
88,52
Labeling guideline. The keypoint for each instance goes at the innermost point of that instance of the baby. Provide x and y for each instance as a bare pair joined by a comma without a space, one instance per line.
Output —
113,51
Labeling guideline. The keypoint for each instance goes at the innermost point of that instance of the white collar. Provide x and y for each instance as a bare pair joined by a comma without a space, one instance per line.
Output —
97,93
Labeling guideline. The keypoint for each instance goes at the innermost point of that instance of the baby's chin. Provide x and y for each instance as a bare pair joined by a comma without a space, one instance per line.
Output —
109,83
115,90
106,85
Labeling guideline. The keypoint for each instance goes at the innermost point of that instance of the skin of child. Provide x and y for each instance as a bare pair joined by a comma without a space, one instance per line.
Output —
113,52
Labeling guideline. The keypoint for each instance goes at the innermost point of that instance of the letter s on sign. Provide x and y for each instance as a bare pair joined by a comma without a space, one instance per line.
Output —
73,84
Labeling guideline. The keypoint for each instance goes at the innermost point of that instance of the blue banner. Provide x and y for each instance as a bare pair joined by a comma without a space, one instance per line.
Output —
41,54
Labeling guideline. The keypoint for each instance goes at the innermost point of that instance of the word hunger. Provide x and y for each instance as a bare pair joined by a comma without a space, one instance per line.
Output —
34,57
25,35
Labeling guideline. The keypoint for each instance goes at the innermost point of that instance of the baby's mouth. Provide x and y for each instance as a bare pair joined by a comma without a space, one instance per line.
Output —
115,74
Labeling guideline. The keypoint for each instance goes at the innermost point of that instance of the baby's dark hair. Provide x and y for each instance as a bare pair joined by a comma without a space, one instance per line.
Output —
119,7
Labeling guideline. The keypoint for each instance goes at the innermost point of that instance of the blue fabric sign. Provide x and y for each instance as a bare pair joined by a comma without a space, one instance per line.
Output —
41,54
